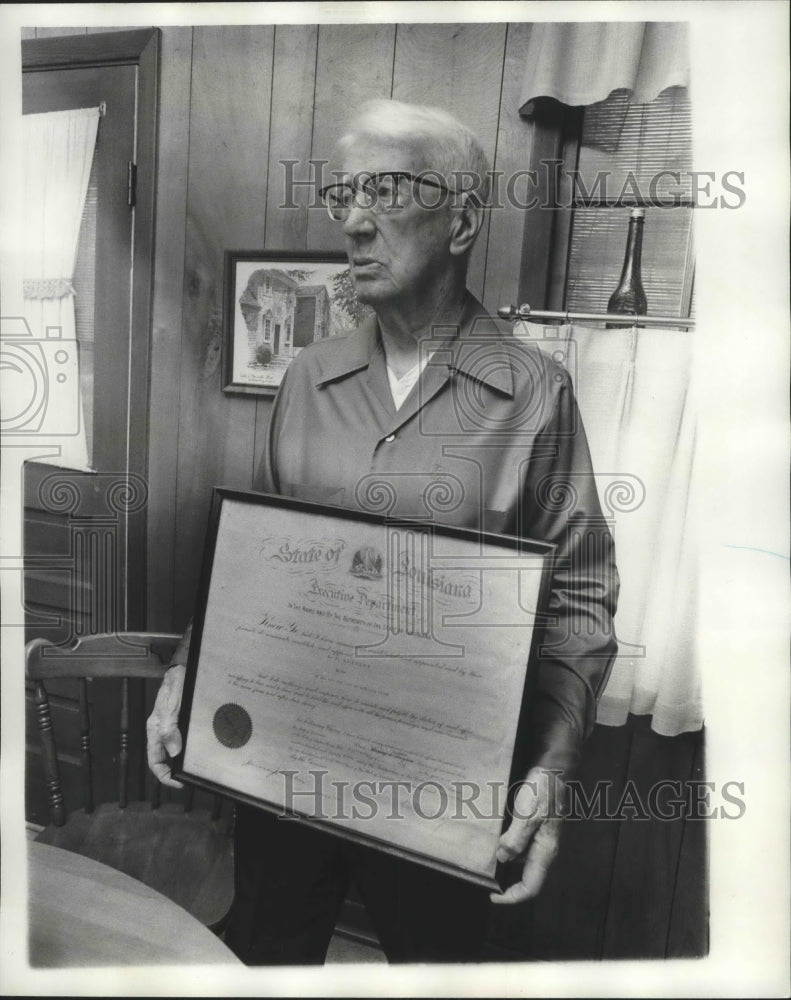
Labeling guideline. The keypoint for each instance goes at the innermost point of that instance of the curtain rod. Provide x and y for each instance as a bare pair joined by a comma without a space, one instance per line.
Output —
525,312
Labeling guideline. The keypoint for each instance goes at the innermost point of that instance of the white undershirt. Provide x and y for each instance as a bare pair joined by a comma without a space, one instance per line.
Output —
400,388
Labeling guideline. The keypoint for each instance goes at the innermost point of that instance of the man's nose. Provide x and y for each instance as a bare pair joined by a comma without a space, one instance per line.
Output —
359,221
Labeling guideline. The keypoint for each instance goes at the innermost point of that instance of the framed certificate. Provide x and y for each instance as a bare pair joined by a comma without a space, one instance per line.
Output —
364,674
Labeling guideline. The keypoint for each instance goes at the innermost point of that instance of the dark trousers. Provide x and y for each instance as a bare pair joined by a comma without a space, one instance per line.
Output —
291,880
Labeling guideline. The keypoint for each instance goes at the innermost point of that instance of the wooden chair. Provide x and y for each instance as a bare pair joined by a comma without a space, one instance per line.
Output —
181,851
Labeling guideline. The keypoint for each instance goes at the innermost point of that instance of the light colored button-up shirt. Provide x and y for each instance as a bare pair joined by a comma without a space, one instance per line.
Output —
489,438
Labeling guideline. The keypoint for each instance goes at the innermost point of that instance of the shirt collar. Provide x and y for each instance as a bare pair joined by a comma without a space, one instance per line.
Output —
351,353
355,352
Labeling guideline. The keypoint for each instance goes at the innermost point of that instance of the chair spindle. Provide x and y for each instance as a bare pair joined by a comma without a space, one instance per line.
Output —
51,772
123,757
85,747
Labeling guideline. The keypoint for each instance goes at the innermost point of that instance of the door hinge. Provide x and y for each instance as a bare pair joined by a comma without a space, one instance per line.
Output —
131,183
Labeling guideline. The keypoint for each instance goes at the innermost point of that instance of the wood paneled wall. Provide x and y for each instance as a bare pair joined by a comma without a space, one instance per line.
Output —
235,102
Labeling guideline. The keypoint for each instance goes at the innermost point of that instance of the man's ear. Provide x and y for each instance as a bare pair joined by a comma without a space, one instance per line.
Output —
465,224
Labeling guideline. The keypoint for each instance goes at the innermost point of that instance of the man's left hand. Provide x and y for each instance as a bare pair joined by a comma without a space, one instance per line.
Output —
534,833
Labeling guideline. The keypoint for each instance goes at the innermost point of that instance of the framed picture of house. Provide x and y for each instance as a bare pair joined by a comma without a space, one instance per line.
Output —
276,303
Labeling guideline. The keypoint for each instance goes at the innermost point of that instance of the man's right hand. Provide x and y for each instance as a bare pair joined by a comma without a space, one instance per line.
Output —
162,729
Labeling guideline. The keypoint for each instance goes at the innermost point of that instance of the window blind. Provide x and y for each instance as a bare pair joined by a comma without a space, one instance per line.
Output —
622,152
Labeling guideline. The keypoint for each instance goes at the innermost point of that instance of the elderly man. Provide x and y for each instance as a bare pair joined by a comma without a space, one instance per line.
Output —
426,391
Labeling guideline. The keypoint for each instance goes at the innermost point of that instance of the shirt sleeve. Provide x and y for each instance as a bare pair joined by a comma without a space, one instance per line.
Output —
560,504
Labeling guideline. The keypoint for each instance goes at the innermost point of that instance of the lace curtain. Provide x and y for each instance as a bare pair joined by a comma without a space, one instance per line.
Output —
633,389
58,153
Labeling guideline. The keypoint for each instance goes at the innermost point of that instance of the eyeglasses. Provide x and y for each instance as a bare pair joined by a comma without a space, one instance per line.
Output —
388,191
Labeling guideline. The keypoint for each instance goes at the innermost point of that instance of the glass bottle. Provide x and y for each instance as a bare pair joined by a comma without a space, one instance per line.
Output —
629,296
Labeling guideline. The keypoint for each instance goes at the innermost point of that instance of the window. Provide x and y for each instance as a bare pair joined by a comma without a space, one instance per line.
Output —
620,158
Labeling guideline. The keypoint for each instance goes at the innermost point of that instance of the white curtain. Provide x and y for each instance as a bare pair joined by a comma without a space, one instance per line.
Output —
58,153
633,390
582,63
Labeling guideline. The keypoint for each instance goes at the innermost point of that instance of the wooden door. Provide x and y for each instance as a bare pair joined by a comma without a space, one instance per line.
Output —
84,531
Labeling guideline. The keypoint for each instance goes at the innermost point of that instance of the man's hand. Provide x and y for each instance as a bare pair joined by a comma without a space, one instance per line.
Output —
162,729
534,832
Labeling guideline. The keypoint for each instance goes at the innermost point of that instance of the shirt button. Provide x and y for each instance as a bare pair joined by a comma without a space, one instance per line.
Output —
389,438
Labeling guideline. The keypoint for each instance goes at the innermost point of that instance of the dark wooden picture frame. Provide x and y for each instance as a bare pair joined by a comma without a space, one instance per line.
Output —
303,510
275,302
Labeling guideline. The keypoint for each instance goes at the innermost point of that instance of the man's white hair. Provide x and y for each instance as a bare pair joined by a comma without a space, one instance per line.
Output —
448,147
